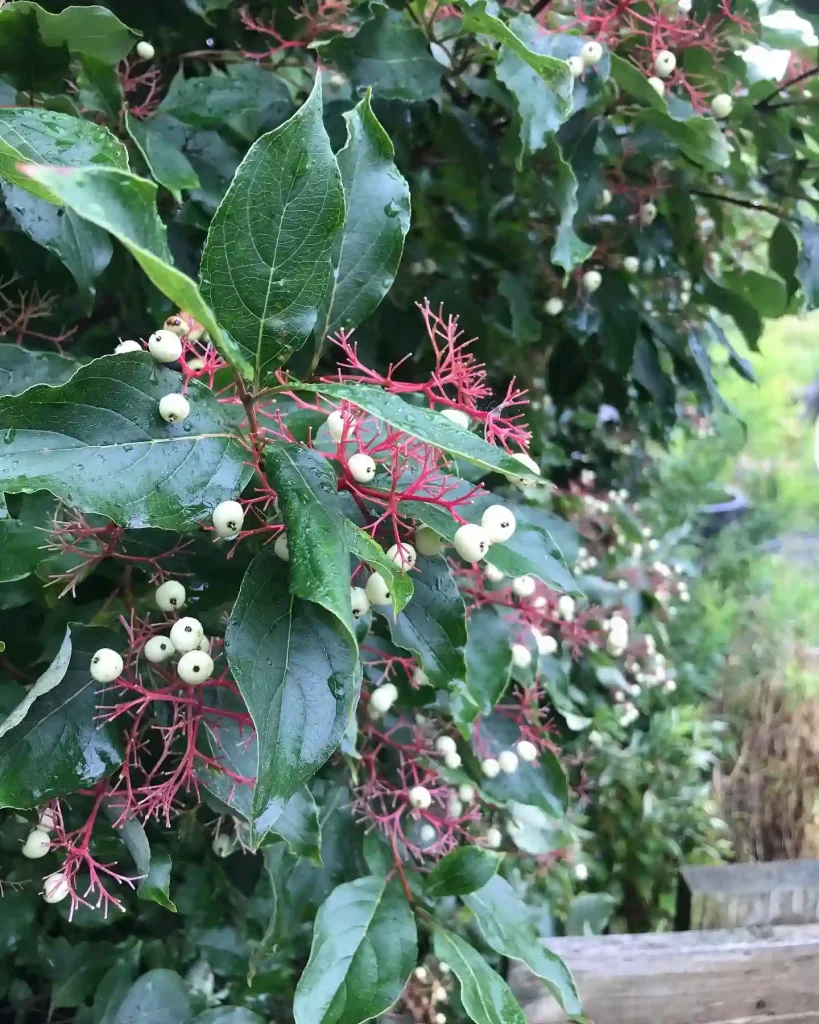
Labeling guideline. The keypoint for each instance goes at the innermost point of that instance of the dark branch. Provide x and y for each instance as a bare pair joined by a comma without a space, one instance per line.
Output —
767,102
538,6
748,204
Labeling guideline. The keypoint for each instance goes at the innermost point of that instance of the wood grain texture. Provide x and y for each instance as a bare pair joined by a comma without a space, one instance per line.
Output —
760,975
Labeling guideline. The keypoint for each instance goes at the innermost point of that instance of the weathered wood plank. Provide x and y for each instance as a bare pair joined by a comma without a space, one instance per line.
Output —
762,975
740,895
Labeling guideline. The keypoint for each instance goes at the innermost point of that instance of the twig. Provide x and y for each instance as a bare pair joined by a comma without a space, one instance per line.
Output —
748,204
538,7
766,104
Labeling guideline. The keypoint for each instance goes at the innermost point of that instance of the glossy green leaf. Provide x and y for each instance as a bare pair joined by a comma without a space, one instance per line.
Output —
424,424
32,136
158,997
21,545
506,924
763,291
52,677
367,252
488,666
307,487
569,251
485,996
85,249
153,866
699,138
541,783
21,369
297,669
100,90
370,551
364,947
531,551
229,1015
246,98
125,205
60,746
590,913
268,257
36,45
388,54
526,327
783,255
99,442
632,80
730,302
433,624
464,870
160,139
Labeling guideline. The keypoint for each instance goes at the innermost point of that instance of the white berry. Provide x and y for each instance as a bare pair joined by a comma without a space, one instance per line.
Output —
722,105
592,280
186,634
553,306
581,872
576,66
383,697
494,838
453,760
158,649
37,844
205,645
521,656
195,667
524,586
174,408
362,467
404,555
164,346
490,767
280,547
546,644
427,542
526,750
664,63
499,522
145,50
222,845
359,601
466,792
55,887
648,213
566,607
508,761
427,833
685,6
605,198
127,346
228,518
631,264
493,574
336,423
106,665
420,798
454,808
377,589
591,53
657,84
458,417
421,974
445,745
471,542
170,597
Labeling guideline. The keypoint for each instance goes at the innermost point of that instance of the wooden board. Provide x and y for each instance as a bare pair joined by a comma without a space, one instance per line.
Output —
763,975
737,895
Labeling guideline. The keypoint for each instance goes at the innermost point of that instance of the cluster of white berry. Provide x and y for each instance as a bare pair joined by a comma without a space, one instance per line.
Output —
38,844
590,54
617,632
166,347
508,761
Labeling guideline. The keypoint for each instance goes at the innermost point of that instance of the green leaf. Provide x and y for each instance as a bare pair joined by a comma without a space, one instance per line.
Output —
568,251
531,551
506,924
125,206
153,867
98,442
60,746
229,1015
486,997
424,424
630,79
764,292
734,305
246,98
21,545
370,551
699,138
364,947
433,624
461,872
160,139
158,997
526,327
307,487
488,666
268,256
32,136
52,677
541,84
388,54
368,250
783,255
84,249
296,667
21,369
100,90
36,46
590,913
542,783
